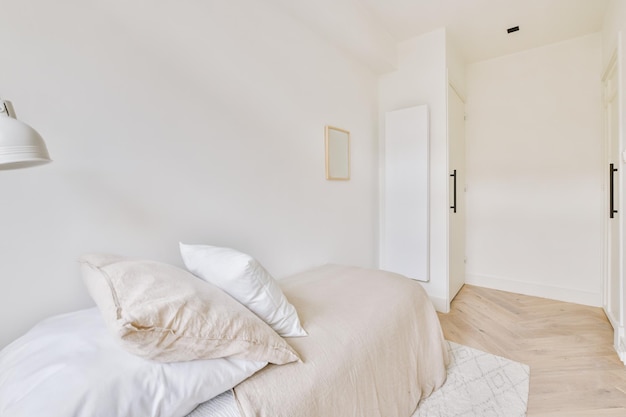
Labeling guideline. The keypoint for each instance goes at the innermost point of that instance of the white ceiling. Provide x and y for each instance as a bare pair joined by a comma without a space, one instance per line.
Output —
478,27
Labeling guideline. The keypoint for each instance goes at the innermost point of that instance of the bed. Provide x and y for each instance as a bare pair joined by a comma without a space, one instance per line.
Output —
374,348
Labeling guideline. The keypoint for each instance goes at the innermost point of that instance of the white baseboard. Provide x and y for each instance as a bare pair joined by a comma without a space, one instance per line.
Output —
620,348
441,304
619,339
538,290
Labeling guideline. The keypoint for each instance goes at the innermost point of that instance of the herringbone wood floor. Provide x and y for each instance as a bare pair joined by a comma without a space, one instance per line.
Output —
574,370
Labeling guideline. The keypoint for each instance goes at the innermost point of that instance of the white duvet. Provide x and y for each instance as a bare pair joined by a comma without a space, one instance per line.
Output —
70,366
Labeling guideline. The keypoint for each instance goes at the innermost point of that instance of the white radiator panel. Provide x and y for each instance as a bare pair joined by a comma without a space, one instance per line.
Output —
405,217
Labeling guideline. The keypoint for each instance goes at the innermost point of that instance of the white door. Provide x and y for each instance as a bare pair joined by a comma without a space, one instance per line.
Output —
613,299
456,166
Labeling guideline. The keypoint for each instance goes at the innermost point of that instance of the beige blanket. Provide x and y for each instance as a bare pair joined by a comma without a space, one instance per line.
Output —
375,348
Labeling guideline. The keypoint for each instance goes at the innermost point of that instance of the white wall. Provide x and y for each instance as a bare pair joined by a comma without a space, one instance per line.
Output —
614,23
350,25
200,122
535,172
456,65
421,79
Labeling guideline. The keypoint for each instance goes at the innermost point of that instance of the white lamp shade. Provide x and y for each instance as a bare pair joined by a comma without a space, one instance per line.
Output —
20,145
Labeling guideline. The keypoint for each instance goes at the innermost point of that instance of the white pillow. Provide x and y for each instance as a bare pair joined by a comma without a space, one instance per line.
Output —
244,279
70,366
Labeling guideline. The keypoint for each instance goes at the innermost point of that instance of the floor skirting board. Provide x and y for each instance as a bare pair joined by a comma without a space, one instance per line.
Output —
441,304
569,295
620,336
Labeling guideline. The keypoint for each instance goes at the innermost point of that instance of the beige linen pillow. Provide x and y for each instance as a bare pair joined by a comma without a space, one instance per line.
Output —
163,313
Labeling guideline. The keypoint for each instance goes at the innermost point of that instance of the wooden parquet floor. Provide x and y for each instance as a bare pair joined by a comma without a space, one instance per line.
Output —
574,370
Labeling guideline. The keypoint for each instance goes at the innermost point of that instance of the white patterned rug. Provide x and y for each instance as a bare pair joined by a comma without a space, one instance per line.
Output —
479,384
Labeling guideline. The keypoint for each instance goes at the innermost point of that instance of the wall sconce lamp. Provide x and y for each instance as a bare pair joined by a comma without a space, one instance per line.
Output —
20,145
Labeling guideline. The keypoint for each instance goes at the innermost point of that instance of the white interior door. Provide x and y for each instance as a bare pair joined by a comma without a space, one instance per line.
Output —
613,296
456,166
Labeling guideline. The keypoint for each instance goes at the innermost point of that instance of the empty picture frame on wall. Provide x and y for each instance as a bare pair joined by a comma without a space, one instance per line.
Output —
337,153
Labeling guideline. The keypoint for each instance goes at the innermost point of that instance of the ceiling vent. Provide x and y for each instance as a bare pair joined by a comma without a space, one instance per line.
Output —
513,29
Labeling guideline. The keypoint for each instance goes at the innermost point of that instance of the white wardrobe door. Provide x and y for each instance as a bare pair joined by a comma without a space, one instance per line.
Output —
456,221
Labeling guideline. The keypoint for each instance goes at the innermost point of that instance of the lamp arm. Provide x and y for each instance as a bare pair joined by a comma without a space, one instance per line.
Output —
7,109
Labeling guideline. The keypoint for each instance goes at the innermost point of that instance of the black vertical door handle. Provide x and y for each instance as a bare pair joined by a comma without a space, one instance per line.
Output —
612,171
453,206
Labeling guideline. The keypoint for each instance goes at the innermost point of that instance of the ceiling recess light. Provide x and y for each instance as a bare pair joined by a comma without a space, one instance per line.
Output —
513,29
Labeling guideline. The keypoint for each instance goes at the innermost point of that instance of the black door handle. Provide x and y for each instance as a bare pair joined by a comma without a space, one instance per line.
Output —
453,206
612,171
